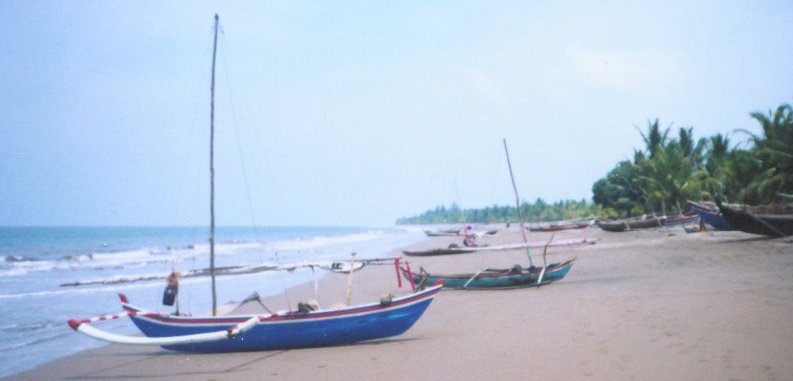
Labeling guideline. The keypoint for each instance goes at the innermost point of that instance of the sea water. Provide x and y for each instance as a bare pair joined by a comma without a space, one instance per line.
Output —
36,263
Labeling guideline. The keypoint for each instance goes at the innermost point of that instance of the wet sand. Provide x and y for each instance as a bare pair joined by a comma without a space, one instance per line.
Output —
648,305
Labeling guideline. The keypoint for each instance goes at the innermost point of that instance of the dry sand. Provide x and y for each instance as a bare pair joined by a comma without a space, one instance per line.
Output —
641,305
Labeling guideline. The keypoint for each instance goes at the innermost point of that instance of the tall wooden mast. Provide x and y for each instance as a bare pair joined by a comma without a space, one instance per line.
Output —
517,202
212,174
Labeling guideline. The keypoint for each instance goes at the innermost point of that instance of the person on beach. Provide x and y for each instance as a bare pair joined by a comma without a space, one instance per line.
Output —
470,237
171,290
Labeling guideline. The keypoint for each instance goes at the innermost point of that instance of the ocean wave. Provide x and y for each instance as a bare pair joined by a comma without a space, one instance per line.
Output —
93,289
35,340
28,327
96,261
17,258
12,272
14,265
323,241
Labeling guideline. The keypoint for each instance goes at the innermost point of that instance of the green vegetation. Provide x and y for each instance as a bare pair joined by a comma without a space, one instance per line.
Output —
666,173
669,171
531,212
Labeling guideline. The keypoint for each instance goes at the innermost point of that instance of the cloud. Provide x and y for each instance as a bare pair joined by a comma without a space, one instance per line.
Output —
483,82
627,71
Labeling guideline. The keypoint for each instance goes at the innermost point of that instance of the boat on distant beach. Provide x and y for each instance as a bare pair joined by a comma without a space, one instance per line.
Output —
621,225
309,326
451,232
455,232
485,248
709,213
681,220
567,225
772,225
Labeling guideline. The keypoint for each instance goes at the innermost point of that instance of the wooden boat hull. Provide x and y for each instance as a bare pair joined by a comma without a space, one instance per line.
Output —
515,246
624,225
562,226
496,278
555,228
294,329
772,225
680,220
782,223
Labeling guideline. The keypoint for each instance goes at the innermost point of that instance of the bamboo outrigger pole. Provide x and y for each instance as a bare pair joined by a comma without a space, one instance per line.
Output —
212,174
517,204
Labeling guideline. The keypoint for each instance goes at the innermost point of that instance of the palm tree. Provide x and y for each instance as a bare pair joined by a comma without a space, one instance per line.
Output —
774,148
666,177
655,138
690,149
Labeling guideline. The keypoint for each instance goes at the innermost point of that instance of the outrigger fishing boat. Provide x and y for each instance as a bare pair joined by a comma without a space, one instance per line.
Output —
454,249
310,327
516,277
492,279
294,329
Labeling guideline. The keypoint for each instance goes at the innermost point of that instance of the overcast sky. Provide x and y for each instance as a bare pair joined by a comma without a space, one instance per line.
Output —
357,113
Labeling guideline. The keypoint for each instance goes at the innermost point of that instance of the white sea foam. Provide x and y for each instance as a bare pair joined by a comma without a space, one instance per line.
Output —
16,266
12,272
129,258
323,241
78,290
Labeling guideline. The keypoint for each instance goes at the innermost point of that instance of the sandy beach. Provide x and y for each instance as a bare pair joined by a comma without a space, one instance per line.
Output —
646,305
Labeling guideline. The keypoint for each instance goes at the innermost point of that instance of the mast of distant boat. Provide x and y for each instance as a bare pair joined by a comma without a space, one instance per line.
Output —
212,174
517,204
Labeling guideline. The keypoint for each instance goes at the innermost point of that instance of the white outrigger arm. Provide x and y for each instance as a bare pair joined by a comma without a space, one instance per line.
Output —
84,327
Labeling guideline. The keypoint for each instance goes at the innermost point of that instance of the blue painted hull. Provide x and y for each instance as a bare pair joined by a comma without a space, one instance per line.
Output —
498,279
710,215
294,330
715,220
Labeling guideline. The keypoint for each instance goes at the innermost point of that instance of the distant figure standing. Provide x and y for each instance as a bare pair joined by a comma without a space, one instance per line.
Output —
470,237
171,290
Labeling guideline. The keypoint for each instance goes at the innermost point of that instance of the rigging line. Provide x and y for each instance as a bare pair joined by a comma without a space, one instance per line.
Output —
237,136
281,276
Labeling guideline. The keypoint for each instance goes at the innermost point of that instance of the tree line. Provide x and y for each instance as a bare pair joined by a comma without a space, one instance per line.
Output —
537,211
666,172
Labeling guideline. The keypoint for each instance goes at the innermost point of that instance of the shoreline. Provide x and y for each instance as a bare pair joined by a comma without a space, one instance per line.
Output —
647,304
